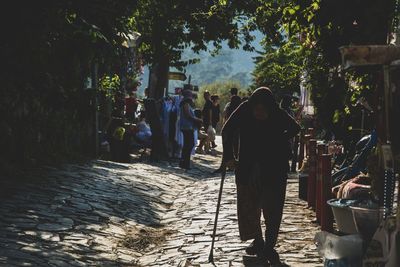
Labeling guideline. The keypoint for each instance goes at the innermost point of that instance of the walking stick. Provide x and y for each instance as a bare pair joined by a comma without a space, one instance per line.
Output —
223,174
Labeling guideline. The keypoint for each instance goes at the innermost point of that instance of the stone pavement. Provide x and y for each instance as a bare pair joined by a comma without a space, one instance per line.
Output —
78,215
192,217
93,215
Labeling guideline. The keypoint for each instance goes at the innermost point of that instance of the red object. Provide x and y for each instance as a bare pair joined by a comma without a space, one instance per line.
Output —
131,105
312,150
326,211
321,149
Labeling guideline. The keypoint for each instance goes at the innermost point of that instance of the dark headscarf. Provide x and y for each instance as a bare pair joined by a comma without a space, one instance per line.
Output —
263,96
233,105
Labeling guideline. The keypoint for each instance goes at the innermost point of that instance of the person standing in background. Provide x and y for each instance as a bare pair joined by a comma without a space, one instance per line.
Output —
234,92
215,116
131,105
188,124
207,110
206,115
286,104
233,104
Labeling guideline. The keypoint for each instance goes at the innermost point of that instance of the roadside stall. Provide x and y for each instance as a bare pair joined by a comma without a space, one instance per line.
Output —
363,193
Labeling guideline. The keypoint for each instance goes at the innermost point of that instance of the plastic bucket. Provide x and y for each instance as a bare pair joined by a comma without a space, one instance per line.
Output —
367,220
343,215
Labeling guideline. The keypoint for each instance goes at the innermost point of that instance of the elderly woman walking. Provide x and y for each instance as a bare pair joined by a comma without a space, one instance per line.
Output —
261,168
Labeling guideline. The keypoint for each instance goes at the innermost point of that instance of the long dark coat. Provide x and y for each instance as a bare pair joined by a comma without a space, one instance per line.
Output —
263,142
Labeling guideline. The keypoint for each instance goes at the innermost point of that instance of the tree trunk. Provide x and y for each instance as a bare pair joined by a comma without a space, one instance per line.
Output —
158,82
158,148
159,78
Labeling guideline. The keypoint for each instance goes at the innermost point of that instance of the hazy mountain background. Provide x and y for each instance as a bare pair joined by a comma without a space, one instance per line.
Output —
229,64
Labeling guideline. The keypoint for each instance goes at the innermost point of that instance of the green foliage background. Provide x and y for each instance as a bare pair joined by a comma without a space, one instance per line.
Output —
303,37
280,67
49,49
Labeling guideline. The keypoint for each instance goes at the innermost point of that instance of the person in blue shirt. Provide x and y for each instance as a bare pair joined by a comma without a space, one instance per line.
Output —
188,124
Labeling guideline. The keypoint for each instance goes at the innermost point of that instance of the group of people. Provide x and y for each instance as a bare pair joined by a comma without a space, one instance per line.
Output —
126,128
203,122
183,125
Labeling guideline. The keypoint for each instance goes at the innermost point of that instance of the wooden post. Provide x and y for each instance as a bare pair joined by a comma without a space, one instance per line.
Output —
312,147
301,148
326,211
311,132
158,148
307,139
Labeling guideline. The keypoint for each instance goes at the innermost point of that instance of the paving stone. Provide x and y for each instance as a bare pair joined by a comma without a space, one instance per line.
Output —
192,231
78,215
204,239
53,227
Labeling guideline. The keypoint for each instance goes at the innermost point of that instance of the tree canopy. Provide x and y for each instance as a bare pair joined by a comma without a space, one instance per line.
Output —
302,38
48,49
167,27
280,67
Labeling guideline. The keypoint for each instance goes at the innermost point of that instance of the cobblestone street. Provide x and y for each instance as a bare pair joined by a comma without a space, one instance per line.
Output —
193,215
82,215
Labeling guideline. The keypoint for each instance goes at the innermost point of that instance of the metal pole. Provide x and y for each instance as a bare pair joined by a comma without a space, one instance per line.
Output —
386,87
211,256
311,192
389,175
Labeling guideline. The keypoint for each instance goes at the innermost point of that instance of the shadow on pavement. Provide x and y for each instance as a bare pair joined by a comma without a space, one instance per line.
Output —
69,216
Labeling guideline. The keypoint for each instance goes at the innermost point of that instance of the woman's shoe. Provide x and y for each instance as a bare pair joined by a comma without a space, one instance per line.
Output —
219,170
200,151
255,248
184,165
273,257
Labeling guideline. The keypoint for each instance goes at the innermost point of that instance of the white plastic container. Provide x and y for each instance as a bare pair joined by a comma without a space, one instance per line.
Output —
343,215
